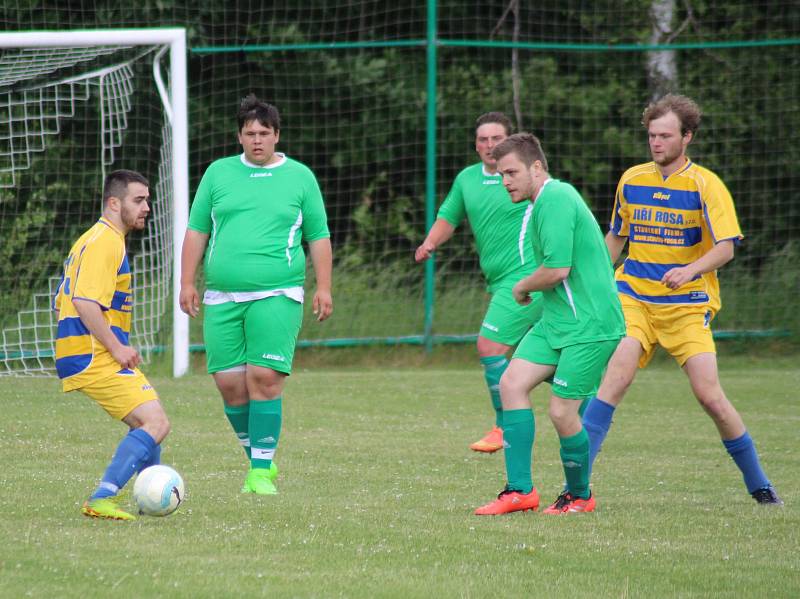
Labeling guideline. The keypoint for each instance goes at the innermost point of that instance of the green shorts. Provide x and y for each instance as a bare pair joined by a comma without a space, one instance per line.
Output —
261,332
579,367
506,321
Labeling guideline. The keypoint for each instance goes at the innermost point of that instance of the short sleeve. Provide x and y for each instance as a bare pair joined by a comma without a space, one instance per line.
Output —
719,211
452,209
96,272
200,214
620,219
315,219
555,228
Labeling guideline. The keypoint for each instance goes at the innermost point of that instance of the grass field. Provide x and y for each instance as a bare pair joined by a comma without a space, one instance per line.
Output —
377,491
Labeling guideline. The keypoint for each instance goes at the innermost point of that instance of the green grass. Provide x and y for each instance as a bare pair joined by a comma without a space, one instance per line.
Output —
377,491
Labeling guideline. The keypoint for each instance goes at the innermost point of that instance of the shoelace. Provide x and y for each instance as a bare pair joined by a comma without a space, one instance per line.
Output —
506,491
563,499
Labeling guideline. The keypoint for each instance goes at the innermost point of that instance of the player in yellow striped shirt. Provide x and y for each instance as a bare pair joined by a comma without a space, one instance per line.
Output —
93,353
680,225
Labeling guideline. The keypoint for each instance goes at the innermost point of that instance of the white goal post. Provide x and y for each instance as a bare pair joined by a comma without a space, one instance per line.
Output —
23,70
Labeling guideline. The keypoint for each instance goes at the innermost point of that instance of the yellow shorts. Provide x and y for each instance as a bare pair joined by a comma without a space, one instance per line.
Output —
121,393
684,331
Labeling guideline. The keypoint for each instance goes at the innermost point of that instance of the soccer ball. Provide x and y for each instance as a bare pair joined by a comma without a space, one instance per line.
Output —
158,491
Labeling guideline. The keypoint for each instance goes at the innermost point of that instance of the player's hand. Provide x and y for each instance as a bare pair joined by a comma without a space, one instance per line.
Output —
322,305
677,277
521,295
424,251
126,356
189,300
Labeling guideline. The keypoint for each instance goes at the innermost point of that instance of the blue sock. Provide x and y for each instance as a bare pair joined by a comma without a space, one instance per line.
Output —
743,452
132,452
153,460
597,421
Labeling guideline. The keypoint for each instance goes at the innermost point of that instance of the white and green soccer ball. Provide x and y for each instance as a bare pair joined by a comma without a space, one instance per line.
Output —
158,491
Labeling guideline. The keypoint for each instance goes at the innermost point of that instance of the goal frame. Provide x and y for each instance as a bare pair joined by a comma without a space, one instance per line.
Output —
176,107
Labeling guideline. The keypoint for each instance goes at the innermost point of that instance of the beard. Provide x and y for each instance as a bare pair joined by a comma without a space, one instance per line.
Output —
133,221
667,157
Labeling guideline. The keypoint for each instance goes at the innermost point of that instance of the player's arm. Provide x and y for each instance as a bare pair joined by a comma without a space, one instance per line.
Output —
541,278
322,260
615,244
194,246
92,316
440,232
718,256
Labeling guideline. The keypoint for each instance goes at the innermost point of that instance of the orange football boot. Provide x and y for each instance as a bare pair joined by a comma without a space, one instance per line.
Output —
567,504
509,501
491,442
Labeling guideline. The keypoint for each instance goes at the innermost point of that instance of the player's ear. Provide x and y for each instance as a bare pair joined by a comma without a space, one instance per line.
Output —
113,203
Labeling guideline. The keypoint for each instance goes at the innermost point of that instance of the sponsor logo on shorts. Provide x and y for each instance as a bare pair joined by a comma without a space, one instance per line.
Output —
489,326
560,382
273,357
147,387
698,296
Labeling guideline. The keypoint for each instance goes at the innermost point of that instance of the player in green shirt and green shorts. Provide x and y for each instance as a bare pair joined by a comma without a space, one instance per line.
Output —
570,346
249,217
505,252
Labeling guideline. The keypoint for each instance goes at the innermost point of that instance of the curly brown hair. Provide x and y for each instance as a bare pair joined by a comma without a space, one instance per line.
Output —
686,109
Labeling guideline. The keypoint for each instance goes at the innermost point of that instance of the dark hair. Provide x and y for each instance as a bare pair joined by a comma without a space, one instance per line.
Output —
116,183
526,146
253,109
687,111
494,117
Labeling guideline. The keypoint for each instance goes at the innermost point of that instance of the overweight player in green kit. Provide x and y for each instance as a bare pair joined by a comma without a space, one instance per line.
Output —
570,346
249,216
506,256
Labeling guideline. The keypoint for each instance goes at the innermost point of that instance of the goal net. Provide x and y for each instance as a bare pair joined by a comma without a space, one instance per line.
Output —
74,107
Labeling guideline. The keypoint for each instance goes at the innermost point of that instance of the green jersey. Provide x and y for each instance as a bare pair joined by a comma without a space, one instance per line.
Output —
585,306
500,226
256,218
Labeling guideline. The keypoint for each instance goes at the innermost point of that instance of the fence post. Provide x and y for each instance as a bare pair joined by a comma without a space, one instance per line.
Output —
430,168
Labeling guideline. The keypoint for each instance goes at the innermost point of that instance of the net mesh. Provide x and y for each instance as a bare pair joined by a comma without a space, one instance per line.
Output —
578,75
78,116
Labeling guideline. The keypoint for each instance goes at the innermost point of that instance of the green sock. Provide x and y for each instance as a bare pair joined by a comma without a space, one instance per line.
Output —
239,417
575,458
493,369
265,428
519,429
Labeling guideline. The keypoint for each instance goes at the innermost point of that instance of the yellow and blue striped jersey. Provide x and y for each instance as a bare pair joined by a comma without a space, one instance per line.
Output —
670,223
96,270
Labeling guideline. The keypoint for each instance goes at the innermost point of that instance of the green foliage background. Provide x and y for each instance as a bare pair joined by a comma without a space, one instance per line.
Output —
357,117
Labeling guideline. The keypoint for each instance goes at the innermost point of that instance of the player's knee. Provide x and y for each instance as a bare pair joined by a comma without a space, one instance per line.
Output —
558,413
510,384
159,427
716,404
